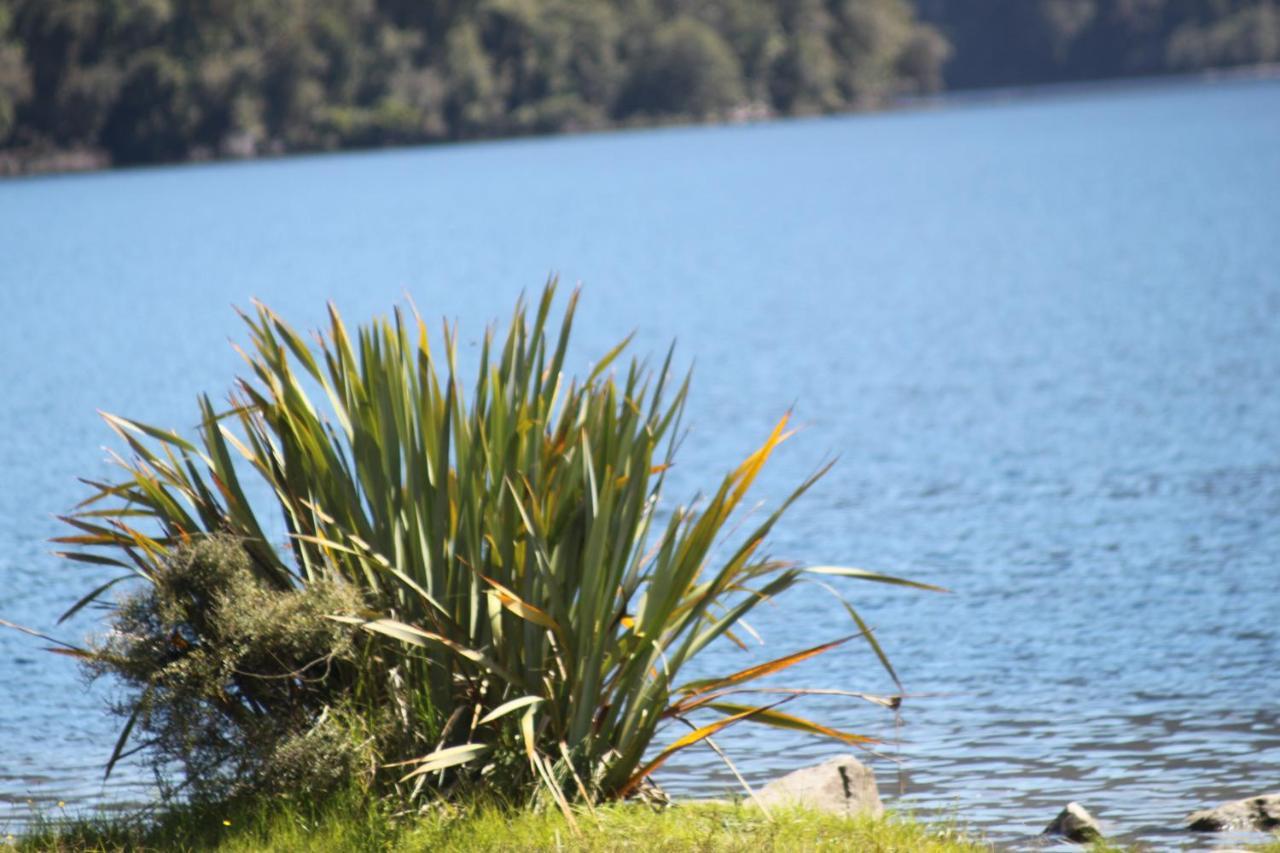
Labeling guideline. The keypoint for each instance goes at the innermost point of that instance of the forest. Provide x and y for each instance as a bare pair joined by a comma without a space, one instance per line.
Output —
1021,42
143,81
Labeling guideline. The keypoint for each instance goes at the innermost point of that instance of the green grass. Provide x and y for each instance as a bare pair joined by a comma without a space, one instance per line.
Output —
352,825
696,827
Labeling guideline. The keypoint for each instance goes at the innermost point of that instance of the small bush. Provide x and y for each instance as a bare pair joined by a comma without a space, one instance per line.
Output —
238,685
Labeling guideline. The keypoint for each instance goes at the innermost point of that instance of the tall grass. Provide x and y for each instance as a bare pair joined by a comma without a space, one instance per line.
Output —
529,610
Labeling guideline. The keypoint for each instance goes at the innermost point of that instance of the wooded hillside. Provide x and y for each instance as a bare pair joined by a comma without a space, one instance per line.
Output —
156,80
138,81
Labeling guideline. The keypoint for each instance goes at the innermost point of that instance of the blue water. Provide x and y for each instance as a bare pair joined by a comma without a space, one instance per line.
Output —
1043,337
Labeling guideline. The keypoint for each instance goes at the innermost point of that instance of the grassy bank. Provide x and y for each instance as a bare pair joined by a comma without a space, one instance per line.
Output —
354,826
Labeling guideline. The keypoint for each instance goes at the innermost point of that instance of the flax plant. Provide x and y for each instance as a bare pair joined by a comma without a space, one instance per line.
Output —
530,611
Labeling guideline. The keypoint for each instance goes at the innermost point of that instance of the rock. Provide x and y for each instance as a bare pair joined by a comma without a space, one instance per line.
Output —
842,785
1254,814
1074,823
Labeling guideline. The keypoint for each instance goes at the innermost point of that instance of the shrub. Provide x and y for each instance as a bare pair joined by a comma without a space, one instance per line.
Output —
238,685
526,612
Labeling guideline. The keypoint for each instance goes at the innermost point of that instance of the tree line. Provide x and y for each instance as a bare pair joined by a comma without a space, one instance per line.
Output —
161,80
1018,42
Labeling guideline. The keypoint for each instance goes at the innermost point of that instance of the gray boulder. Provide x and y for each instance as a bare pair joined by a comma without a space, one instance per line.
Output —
1254,814
1074,823
842,785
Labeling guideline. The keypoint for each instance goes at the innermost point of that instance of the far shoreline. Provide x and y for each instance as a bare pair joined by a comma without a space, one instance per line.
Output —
16,164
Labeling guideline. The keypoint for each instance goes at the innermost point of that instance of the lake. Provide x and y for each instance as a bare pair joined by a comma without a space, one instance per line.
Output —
1042,336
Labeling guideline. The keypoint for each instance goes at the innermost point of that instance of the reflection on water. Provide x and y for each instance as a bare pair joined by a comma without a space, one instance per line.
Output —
1044,339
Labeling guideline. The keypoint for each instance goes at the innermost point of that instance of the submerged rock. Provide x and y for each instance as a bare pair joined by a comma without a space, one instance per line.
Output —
842,785
1074,823
1253,814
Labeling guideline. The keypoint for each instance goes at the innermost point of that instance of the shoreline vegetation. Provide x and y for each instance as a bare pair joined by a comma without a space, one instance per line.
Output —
351,823
354,825
61,162
479,595
94,85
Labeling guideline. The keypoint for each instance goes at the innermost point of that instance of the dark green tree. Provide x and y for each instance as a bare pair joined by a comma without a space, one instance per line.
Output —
473,103
687,69
15,76
154,115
